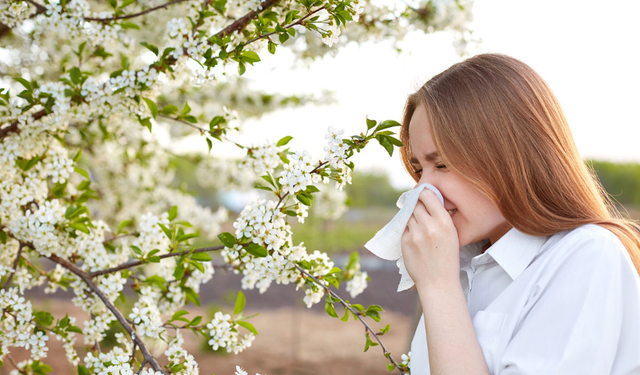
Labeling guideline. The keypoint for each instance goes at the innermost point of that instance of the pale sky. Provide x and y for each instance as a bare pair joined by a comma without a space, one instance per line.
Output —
587,51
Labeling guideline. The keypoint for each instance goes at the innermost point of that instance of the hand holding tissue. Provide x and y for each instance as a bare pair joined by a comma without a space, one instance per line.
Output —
386,243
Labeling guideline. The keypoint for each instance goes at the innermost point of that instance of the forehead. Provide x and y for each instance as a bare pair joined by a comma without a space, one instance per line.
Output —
419,134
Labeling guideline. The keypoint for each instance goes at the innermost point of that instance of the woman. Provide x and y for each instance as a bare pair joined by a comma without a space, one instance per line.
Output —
528,268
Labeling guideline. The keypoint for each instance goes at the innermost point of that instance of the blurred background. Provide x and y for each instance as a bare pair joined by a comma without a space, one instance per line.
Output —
586,50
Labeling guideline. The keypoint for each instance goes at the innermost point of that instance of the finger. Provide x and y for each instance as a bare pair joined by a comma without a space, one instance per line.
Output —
432,204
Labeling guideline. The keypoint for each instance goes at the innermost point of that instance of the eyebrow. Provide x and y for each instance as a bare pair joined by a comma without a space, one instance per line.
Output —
428,157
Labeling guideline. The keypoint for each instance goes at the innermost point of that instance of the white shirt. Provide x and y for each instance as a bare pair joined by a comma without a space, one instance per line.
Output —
563,304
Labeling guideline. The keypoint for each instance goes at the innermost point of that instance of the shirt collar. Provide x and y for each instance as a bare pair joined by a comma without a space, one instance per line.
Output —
515,250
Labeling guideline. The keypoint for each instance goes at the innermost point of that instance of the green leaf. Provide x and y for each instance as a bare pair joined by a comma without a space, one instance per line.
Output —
187,236
195,321
81,227
75,329
227,239
271,47
152,107
209,143
75,158
217,120
304,200
173,213
178,314
283,37
136,250
178,273
185,110
129,25
391,366
384,142
201,257
169,110
76,75
43,318
240,302
387,124
312,189
126,3
248,326
371,123
166,231
241,68
25,83
192,296
250,57
122,225
346,315
3,236
330,310
146,122
114,3
283,141
256,250
151,47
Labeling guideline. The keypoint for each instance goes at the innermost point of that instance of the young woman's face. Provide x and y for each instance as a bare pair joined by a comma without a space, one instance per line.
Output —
475,216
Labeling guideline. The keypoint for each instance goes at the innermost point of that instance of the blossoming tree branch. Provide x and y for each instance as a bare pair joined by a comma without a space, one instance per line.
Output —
93,94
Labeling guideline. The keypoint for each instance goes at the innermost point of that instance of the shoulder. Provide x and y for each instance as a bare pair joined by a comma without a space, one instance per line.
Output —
590,239
587,249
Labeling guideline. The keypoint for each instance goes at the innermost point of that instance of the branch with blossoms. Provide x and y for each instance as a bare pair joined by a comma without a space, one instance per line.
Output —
77,160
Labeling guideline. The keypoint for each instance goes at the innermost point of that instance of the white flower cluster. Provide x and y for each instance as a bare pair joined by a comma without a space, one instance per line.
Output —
16,328
71,20
223,333
91,247
262,222
262,159
14,12
150,235
406,359
94,329
146,315
330,37
111,285
297,173
320,266
177,355
332,34
115,362
41,226
336,156
358,283
68,344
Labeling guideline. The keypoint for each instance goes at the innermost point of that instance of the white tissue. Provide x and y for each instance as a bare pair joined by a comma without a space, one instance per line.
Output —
386,243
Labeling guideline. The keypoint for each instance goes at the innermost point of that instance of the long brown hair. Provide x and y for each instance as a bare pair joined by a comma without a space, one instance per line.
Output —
497,123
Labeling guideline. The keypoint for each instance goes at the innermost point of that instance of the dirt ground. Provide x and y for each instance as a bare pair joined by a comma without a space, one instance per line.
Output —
291,341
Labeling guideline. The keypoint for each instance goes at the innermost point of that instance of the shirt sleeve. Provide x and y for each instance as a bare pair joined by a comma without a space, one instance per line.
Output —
583,316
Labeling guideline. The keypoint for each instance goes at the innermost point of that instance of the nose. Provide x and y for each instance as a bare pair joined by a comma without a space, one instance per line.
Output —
424,178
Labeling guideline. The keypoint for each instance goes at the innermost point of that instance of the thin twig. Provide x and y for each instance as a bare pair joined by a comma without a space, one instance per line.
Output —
107,20
94,288
139,262
15,265
356,313
202,130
